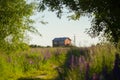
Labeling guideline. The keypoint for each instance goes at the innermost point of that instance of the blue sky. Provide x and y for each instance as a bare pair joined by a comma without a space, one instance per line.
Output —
61,28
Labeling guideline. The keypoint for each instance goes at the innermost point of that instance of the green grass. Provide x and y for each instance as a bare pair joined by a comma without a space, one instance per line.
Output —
43,63
34,63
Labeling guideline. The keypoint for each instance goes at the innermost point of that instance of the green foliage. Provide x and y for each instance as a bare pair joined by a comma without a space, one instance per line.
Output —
28,64
75,74
102,57
13,66
52,63
100,60
14,22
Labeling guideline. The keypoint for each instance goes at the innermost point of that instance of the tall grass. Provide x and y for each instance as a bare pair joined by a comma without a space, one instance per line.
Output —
93,63
32,63
60,63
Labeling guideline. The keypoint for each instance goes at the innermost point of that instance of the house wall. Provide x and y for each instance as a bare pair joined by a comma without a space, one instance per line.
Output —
55,43
65,42
58,43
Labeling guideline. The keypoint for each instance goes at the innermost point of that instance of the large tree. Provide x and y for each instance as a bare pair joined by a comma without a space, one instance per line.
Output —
14,22
106,14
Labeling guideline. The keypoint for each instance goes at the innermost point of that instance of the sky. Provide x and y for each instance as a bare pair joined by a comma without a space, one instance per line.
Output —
61,28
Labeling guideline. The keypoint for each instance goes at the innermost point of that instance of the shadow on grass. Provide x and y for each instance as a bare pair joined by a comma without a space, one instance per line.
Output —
72,60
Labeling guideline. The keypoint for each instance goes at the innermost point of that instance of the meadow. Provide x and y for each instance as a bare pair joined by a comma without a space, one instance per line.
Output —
100,62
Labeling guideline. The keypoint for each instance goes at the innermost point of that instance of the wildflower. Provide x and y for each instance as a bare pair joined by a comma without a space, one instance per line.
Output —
72,61
95,77
87,71
30,61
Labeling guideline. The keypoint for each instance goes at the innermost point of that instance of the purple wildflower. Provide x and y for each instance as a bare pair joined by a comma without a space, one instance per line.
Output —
87,71
95,77
72,61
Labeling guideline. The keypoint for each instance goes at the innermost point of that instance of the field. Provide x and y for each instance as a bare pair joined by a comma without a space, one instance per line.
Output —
88,63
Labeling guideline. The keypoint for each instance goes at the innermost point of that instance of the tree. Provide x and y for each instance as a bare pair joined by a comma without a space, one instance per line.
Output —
14,22
106,14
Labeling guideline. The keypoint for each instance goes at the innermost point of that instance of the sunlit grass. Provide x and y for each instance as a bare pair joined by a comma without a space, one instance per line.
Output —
57,63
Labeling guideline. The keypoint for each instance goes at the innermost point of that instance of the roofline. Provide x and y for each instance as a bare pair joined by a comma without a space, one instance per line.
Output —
62,37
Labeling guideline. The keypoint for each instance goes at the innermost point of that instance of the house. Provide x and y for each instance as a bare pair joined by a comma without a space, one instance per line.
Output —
61,41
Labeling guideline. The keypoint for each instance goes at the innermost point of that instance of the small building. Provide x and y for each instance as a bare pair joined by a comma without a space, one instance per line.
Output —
61,41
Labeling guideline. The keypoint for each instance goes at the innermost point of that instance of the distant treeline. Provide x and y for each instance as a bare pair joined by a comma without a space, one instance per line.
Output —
38,46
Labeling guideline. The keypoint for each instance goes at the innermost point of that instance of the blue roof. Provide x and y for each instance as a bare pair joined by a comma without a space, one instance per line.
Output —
60,39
